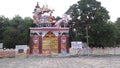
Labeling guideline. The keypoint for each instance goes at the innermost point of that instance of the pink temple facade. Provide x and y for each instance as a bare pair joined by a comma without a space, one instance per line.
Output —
49,35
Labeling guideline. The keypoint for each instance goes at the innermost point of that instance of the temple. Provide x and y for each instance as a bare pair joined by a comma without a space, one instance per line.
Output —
49,35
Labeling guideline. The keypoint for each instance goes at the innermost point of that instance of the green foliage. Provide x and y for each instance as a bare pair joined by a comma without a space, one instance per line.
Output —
90,14
10,37
3,23
15,31
117,24
102,34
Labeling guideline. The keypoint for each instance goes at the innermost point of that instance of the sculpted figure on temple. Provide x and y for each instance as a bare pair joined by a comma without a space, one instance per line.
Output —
42,15
37,14
51,18
62,22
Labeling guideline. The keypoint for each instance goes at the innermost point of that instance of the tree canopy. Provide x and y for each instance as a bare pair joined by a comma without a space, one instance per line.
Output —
91,15
117,24
15,31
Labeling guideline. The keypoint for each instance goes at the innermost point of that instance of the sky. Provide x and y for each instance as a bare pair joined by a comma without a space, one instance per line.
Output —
24,8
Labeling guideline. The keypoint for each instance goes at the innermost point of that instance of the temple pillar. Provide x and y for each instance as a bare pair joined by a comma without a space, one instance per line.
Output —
40,45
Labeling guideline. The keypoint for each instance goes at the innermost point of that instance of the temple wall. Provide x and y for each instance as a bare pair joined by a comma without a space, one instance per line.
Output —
42,34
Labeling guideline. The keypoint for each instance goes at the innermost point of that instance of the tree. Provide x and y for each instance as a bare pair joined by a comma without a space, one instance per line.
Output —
25,34
10,37
17,33
3,23
88,17
102,34
117,24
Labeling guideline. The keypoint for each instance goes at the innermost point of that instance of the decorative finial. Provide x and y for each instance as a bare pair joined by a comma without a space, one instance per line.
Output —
37,6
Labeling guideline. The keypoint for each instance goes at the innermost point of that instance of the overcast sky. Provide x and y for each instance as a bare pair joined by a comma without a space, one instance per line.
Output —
10,8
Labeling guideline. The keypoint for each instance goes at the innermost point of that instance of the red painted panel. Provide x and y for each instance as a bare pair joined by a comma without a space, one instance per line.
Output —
64,43
40,45
59,44
67,47
31,45
35,44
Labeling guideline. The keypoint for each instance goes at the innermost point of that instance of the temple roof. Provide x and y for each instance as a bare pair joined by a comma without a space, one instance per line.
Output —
43,17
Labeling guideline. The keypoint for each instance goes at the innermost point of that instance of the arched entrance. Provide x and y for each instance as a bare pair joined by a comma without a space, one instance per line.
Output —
49,43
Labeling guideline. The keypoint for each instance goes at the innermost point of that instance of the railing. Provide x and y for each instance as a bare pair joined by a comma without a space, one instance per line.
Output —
7,53
73,51
11,53
96,51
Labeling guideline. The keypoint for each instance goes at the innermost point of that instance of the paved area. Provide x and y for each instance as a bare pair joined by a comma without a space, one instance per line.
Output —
73,62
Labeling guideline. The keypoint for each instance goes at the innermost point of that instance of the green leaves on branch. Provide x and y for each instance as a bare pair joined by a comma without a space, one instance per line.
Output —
90,14
15,31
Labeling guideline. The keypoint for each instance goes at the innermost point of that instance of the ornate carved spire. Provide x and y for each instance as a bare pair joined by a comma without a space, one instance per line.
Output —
37,6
